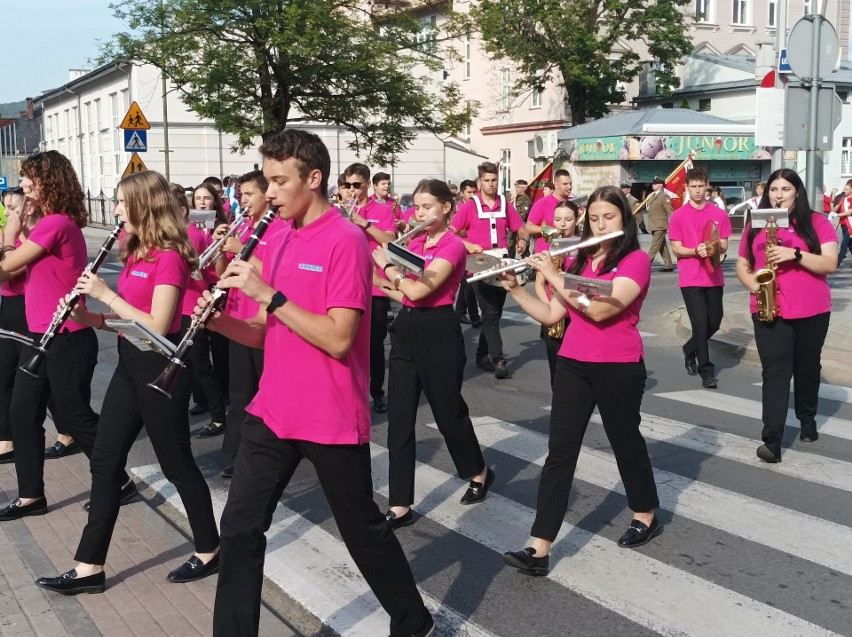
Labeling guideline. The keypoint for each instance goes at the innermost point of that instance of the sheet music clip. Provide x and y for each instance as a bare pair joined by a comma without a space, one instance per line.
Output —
761,216
589,286
15,336
405,259
563,242
143,338
206,218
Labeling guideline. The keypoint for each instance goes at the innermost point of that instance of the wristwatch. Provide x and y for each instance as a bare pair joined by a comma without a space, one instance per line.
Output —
278,299
367,227
798,254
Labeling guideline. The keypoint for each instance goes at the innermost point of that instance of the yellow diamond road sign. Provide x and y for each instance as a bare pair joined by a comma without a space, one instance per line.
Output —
135,120
136,165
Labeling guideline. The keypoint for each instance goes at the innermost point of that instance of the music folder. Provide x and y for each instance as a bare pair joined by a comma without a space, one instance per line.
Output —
142,337
206,218
761,216
588,285
405,259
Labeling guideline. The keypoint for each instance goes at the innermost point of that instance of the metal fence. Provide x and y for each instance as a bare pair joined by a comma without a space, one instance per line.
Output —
100,209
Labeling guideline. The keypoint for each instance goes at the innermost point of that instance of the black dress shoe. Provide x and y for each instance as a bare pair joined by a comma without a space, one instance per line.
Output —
69,584
379,405
395,522
526,562
6,458
427,628
211,430
58,450
500,370
809,433
197,410
639,534
129,492
768,455
484,363
709,383
193,569
477,491
689,362
16,510
228,472
476,324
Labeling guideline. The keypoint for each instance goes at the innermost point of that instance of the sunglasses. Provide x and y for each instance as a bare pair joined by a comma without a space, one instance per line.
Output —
355,184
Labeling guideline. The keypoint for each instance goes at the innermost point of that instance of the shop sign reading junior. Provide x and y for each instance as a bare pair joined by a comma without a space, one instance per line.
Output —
672,147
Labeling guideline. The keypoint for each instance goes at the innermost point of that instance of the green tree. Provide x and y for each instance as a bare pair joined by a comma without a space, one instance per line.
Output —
255,66
584,45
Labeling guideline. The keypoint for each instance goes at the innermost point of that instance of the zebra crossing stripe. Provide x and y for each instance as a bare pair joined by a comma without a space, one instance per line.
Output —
725,510
621,580
828,425
837,393
314,568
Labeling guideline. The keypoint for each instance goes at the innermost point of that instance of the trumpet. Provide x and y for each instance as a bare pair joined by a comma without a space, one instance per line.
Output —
403,258
213,253
59,318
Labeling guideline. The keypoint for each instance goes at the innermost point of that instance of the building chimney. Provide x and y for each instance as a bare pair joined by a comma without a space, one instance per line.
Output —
30,114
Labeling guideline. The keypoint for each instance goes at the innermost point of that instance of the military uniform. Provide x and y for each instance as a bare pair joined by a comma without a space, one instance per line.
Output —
659,212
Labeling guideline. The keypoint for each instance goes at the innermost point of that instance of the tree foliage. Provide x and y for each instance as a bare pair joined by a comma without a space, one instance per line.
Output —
255,66
585,46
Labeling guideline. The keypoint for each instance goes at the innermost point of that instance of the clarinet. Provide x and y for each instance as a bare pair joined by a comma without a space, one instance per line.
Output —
31,367
165,382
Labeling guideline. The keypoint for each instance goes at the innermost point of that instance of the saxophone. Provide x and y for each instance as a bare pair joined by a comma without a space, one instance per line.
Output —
557,330
767,279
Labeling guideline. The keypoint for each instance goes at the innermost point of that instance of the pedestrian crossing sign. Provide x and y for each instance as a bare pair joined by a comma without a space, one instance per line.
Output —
135,141
136,165
134,119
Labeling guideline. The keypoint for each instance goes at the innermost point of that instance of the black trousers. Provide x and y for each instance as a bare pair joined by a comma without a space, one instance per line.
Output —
616,389
491,300
427,355
789,348
378,332
65,376
552,347
704,307
263,469
246,368
466,301
219,350
129,404
203,375
13,318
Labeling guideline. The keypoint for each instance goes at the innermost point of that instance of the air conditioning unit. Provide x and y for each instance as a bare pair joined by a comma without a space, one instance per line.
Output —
545,144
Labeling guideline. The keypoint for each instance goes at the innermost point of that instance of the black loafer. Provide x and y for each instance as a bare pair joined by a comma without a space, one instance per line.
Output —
709,383
69,584
464,320
193,569
689,362
809,433
58,450
16,510
129,492
395,522
211,430
197,410
526,562
6,458
500,370
477,491
485,364
477,323
427,628
639,534
379,405
768,455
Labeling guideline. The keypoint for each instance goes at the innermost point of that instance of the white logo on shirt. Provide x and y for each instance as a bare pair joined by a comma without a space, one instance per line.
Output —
143,275
310,267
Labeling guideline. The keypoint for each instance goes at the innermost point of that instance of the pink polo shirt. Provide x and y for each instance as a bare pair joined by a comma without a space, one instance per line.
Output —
407,214
304,393
54,274
801,293
617,339
382,217
686,226
479,230
542,212
449,248
16,286
139,277
200,240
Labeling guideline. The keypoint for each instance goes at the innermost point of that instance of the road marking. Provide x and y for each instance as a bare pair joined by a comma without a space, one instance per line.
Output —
827,425
719,508
837,393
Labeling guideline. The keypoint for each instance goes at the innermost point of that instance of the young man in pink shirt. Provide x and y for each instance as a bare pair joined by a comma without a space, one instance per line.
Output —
312,398
377,222
484,222
701,290
542,210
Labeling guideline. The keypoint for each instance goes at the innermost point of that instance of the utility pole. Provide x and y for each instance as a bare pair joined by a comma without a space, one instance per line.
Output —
780,45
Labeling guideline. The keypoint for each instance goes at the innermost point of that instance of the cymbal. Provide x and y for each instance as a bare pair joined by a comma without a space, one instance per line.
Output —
481,262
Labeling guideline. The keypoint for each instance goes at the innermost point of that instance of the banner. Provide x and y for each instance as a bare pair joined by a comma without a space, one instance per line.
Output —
676,183
535,190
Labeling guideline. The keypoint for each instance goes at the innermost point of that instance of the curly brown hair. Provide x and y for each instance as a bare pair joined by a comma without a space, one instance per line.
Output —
57,186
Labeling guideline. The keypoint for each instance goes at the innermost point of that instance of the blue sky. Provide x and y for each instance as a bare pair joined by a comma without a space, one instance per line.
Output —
45,38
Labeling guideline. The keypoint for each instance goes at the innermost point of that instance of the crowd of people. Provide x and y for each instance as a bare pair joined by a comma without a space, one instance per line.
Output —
308,296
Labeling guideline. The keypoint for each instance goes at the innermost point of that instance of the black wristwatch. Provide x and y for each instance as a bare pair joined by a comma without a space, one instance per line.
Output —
798,254
278,299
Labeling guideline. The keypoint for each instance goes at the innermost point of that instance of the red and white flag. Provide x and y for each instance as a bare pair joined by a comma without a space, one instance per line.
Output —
535,190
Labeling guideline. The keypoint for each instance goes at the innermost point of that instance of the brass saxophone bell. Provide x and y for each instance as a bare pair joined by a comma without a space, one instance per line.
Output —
548,233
